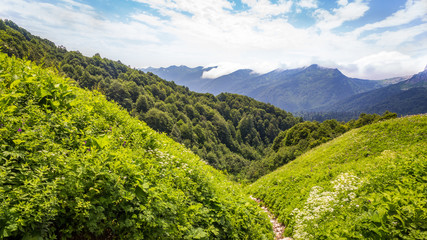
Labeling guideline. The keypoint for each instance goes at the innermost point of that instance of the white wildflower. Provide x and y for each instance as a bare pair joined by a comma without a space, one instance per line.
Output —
321,203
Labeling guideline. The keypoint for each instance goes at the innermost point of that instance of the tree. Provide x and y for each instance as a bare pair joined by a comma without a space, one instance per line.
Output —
143,104
159,120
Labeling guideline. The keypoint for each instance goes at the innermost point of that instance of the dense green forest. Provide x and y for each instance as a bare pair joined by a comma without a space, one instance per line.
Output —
369,183
228,131
323,116
76,166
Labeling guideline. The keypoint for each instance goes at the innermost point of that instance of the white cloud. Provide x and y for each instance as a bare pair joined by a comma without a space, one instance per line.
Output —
414,9
265,8
395,38
76,26
346,12
342,2
194,33
384,65
308,3
222,68
149,19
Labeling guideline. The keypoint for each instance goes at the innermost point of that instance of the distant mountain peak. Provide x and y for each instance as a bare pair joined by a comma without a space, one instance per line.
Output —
315,68
318,67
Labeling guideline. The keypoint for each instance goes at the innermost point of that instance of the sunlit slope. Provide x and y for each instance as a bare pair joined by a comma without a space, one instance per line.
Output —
73,165
370,183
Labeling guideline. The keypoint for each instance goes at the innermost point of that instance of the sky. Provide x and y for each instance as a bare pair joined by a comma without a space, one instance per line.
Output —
371,39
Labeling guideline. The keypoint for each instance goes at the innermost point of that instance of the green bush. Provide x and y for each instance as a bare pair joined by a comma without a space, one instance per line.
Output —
73,165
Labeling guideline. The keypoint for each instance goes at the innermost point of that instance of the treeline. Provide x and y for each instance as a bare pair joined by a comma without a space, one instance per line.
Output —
304,136
228,131
323,116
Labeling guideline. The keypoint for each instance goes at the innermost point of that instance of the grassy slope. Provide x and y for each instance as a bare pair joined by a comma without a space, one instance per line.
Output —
370,183
75,165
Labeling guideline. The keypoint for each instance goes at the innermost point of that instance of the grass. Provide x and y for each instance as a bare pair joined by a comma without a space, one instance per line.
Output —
370,183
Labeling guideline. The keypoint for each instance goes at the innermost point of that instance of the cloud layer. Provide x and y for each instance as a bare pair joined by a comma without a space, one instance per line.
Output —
256,34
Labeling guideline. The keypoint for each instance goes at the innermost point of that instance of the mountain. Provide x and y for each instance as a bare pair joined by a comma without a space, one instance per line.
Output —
294,90
228,131
405,98
230,82
309,88
369,183
75,166
182,75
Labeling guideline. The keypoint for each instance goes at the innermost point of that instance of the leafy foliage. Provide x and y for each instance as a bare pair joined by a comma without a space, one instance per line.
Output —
75,166
369,183
218,129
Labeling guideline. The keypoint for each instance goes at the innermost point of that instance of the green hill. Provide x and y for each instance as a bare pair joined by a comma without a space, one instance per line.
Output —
228,131
75,166
369,183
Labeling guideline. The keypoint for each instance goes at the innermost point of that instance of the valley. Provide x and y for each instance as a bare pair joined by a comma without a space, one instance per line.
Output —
94,149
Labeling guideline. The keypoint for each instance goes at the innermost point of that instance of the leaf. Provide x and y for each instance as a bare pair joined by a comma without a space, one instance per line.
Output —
103,141
11,108
146,185
18,141
199,233
14,83
55,104
140,194
42,93
29,237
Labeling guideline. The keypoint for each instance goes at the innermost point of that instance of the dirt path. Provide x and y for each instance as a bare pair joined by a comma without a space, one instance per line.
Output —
278,228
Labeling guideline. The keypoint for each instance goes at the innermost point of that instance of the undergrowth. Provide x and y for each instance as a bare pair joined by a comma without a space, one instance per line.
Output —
75,166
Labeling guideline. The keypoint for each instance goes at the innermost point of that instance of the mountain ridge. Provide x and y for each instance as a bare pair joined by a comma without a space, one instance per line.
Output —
283,88
315,88
405,97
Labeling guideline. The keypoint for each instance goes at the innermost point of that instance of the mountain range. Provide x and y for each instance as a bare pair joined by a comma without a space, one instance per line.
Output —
406,97
309,89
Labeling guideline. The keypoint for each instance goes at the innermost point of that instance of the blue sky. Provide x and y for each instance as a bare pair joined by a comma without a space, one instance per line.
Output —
371,39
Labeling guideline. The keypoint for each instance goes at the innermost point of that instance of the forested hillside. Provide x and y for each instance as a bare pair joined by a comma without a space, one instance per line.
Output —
75,166
304,136
227,131
369,183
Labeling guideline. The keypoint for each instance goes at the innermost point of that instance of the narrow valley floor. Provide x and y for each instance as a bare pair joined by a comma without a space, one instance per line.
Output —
278,228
